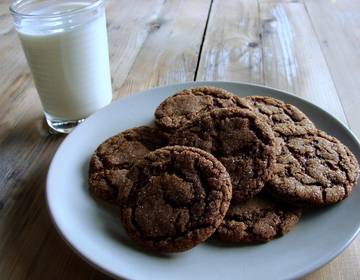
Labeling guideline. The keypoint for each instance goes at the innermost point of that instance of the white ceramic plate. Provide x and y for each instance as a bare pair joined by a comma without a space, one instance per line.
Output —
96,234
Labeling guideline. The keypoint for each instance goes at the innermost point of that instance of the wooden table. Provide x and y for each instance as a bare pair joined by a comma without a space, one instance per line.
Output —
310,48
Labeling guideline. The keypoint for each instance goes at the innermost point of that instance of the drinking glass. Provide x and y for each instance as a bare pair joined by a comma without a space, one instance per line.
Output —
66,47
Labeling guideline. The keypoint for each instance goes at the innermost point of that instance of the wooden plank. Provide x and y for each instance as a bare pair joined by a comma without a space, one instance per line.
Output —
156,45
288,29
303,57
127,33
292,56
293,61
337,25
231,49
170,53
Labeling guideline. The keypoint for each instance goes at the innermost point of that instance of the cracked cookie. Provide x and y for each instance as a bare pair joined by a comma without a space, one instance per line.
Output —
113,158
181,108
257,220
175,198
279,115
313,169
241,140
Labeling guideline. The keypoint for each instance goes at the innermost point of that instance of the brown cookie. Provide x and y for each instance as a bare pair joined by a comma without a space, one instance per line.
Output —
175,198
279,115
113,158
257,220
241,140
313,169
181,108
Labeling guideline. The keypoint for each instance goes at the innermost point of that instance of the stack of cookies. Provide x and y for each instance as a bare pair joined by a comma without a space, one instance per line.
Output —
240,169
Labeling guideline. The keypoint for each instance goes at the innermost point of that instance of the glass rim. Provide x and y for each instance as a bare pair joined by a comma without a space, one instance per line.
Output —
15,12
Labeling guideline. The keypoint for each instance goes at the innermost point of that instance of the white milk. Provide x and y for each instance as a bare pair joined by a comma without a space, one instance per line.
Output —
70,65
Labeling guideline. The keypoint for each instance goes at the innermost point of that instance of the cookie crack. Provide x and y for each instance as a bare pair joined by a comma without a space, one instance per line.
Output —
323,194
267,116
266,140
301,160
292,118
112,166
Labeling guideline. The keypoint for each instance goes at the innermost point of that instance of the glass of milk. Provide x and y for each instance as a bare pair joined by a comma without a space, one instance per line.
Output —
65,43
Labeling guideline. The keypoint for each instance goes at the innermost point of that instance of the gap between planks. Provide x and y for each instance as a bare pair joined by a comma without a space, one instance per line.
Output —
203,40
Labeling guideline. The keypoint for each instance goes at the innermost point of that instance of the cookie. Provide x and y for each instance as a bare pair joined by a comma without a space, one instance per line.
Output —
176,198
279,115
181,108
313,169
257,220
241,140
113,158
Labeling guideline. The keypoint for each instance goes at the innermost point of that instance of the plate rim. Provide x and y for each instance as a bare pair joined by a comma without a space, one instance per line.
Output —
297,274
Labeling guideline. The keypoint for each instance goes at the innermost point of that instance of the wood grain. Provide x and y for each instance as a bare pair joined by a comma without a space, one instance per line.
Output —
292,56
231,49
337,25
127,32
